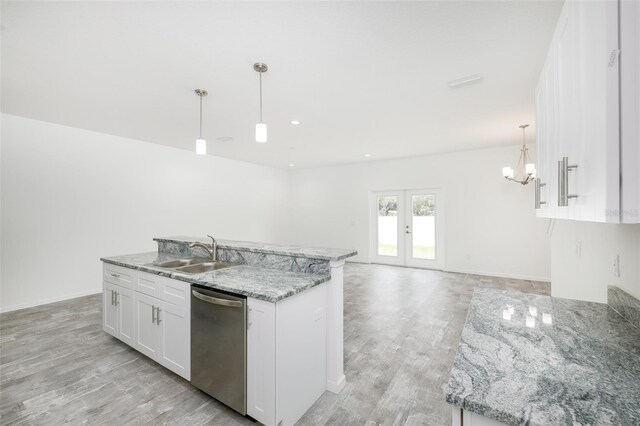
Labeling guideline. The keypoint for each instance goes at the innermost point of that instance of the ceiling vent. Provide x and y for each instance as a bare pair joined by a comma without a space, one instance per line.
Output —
465,81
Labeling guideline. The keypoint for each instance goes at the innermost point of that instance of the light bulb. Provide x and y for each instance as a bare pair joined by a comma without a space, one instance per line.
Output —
507,172
530,168
201,147
261,132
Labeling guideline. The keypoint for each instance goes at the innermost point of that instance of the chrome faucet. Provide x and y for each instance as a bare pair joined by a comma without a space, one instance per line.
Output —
213,250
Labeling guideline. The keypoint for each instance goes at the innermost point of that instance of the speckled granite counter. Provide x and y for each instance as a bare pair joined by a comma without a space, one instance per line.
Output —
284,250
260,283
535,360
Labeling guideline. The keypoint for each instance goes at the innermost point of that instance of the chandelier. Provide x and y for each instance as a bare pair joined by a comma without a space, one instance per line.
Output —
525,171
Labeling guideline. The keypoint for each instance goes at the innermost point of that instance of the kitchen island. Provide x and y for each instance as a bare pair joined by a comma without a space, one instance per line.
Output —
537,360
294,308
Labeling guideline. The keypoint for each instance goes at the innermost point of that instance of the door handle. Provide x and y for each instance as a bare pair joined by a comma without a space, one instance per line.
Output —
217,301
158,315
153,314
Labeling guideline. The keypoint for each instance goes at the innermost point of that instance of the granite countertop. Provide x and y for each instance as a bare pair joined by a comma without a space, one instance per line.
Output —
537,360
261,283
286,250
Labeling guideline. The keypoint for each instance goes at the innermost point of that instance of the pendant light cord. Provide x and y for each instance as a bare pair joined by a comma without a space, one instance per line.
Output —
261,97
200,116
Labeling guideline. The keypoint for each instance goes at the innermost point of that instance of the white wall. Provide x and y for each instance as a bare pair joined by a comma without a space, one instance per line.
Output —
490,224
71,196
585,273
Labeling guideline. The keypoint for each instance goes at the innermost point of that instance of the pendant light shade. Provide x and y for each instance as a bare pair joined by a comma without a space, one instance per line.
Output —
201,144
261,133
261,128
201,147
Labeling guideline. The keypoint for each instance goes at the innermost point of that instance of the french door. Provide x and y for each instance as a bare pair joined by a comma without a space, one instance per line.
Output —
408,228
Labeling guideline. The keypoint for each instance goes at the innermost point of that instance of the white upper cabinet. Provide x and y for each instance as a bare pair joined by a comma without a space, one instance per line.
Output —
578,97
630,108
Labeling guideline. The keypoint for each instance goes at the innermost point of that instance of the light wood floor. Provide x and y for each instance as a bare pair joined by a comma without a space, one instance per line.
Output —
402,327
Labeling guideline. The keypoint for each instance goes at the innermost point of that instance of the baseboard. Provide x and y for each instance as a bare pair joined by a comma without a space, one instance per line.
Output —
498,274
336,387
40,302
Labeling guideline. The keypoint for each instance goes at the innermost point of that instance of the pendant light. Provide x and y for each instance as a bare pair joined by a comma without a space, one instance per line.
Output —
201,144
525,170
261,128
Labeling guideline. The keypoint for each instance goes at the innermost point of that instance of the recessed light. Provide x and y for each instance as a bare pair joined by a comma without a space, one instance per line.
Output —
291,164
294,122
224,138
367,155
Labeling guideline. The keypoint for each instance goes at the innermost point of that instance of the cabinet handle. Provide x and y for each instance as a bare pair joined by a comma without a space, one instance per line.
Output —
115,275
217,301
117,294
153,314
538,186
113,294
563,181
560,185
158,316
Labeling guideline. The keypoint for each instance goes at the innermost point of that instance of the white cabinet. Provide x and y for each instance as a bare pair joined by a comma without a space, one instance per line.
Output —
261,361
286,356
578,117
151,314
163,333
109,309
175,338
117,310
148,333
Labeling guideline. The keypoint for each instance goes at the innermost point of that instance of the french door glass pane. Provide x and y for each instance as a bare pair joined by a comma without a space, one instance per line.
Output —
423,225
388,225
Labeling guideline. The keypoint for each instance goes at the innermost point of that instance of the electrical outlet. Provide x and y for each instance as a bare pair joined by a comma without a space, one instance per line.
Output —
615,264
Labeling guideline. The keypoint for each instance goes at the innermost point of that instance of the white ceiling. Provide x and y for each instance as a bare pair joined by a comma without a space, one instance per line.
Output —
362,77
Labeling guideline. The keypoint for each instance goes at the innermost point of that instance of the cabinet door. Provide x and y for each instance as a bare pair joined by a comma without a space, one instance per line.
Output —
630,109
261,361
545,136
175,324
126,316
147,333
109,309
567,88
597,146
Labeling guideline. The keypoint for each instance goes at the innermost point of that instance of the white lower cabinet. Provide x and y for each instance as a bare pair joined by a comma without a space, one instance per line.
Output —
160,329
148,333
118,316
175,339
286,356
163,333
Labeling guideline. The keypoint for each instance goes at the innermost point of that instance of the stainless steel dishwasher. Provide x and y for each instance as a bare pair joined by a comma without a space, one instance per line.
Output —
219,346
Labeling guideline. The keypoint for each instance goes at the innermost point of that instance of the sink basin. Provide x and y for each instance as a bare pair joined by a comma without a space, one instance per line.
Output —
177,263
204,267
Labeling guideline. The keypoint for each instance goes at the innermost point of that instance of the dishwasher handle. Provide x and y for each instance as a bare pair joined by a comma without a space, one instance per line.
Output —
217,301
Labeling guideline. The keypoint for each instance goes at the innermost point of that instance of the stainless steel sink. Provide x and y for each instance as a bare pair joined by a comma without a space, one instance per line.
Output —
177,263
204,267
